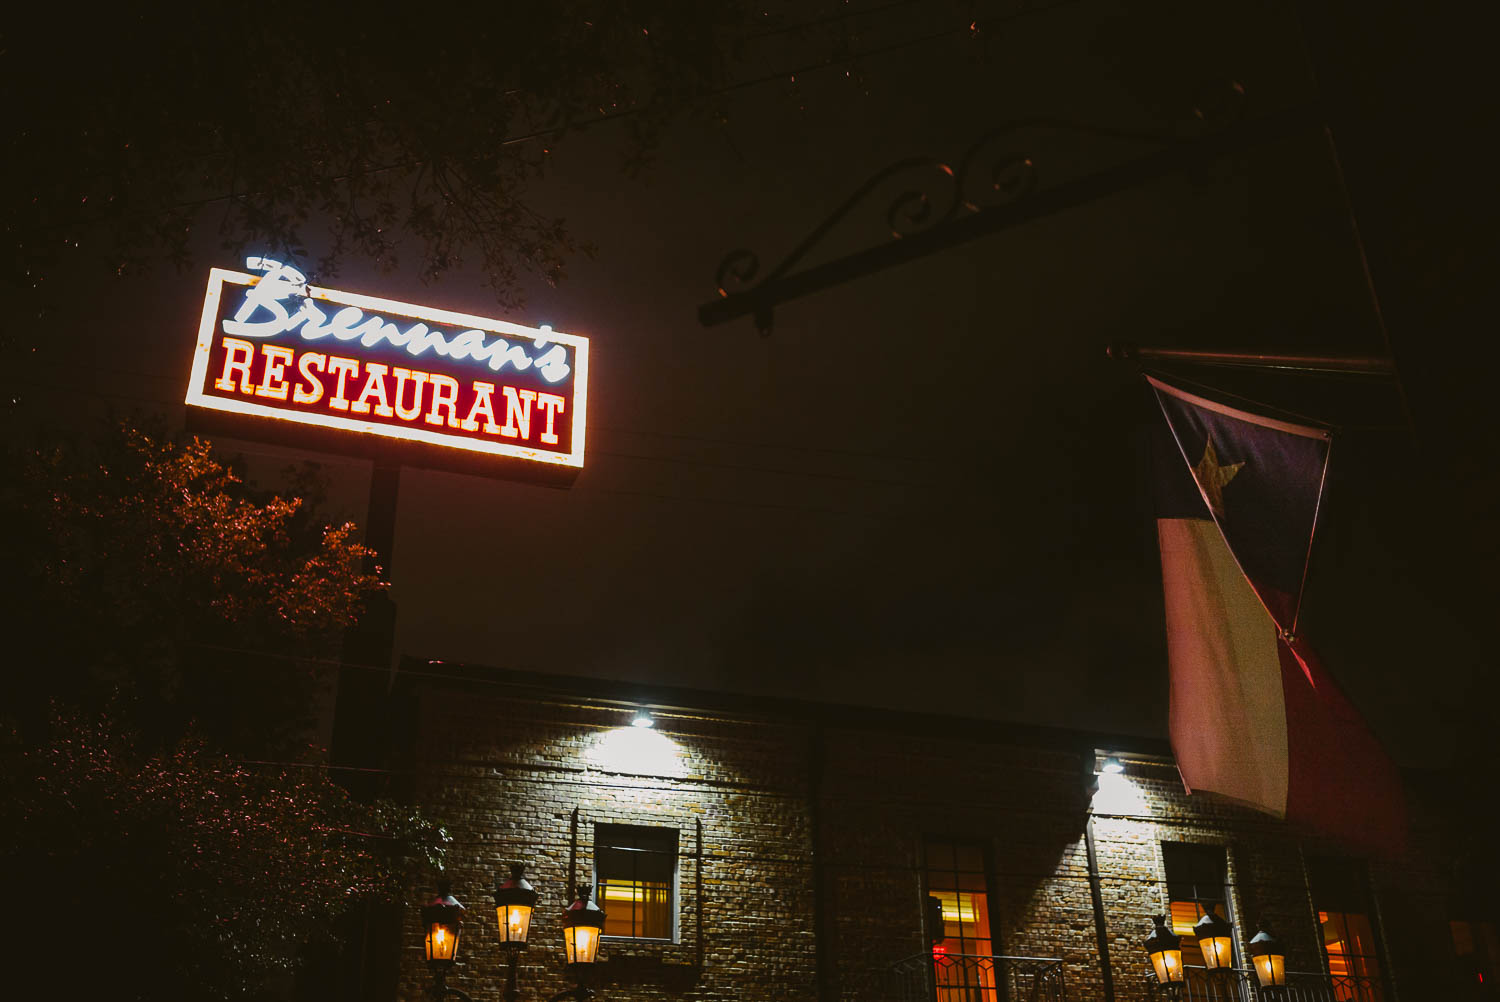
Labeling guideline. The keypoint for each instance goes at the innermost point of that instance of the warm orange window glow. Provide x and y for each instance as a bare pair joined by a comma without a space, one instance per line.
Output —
963,967
1349,946
1197,884
638,908
1183,916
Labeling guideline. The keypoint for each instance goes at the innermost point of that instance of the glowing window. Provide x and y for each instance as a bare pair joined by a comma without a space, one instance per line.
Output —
1342,898
1196,885
963,960
635,869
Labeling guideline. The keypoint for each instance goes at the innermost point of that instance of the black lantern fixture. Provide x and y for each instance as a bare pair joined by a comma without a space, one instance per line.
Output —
442,922
1269,958
514,901
583,924
1164,947
1216,942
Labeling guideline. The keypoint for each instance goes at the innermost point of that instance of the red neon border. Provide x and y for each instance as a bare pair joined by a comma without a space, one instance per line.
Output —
218,277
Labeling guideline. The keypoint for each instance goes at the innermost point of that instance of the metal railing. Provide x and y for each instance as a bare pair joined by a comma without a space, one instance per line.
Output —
944,977
1237,985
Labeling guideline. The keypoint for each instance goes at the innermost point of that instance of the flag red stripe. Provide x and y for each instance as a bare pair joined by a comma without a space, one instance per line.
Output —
1340,781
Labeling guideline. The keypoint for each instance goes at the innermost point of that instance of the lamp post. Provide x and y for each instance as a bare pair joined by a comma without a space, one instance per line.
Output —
1269,958
1215,940
1164,947
442,922
514,901
583,924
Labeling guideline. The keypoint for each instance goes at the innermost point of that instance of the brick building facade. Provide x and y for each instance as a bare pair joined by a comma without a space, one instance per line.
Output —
803,842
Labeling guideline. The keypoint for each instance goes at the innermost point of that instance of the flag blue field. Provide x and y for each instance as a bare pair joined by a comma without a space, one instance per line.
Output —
1255,717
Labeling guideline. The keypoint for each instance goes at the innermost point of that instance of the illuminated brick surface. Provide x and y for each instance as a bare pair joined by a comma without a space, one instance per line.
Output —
507,772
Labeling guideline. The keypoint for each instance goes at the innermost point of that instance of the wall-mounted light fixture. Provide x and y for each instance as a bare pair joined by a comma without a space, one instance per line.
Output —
642,718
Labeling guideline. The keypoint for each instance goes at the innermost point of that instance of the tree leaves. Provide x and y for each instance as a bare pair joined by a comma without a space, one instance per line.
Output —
163,633
200,877
367,137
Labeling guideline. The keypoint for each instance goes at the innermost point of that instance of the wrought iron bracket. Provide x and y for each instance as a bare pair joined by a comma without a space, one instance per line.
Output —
991,187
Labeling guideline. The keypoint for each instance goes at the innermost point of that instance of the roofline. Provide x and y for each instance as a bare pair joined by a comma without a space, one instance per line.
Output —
628,695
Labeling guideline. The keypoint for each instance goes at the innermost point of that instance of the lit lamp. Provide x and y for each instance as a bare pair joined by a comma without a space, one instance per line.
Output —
583,924
442,921
1214,939
515,899
1164,947
1270,959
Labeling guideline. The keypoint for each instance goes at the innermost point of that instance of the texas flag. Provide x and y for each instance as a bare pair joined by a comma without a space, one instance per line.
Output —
1254,716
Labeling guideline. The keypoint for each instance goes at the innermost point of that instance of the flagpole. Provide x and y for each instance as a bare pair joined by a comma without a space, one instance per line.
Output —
1358,365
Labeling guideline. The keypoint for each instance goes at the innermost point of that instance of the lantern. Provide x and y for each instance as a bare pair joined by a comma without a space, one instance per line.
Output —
1165,950
1214,939
1269,957
443,919
514,901
583,924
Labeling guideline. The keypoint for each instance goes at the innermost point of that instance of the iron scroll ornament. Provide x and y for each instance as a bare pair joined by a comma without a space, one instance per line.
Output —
939,202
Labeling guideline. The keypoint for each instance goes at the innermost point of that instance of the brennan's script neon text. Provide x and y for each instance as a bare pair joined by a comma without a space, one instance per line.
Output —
264,314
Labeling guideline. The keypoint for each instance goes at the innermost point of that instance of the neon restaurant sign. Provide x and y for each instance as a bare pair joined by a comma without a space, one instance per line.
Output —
270,346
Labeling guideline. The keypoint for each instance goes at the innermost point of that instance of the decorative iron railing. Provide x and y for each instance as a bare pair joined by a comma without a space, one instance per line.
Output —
929,977
1202,985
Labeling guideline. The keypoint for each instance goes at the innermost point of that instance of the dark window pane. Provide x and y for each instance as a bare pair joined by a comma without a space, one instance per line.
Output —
972,882
942,880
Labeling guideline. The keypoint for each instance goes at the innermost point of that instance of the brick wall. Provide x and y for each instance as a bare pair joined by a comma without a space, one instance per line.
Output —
507,776
507,772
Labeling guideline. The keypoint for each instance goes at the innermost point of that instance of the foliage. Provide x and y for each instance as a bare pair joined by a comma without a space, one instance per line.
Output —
162,633
375,128
182,875
149,563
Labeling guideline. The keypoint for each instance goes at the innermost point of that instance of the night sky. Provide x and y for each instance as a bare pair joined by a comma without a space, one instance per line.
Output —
926,489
